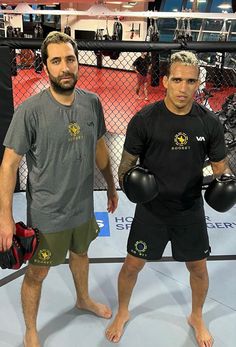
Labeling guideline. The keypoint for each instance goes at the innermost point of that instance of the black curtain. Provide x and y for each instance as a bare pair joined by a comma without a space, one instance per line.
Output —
6,97
234,5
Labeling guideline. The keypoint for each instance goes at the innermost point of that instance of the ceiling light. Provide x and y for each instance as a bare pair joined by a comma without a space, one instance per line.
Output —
23,8
130,4
114,2
224,6
98,9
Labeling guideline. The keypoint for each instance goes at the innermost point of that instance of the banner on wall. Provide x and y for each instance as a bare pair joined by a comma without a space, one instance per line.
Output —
221,229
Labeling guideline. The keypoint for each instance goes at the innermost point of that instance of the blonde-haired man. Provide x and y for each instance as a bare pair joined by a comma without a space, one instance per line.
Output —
164,136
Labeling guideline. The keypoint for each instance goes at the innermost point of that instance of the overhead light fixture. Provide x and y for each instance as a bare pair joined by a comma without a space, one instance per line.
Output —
224,6
22,7
114,2
130,4
98,10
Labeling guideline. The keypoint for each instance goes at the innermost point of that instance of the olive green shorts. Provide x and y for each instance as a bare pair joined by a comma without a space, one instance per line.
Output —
53,247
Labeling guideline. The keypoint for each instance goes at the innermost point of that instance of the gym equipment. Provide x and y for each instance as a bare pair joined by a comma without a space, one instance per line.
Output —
13,257
221,193
150,31
116,36
67,28
188,34
10,33
117,30
24,244
28,239
155,60
140,185
38,63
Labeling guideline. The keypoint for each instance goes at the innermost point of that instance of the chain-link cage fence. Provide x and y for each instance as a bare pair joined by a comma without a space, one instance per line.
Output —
107,69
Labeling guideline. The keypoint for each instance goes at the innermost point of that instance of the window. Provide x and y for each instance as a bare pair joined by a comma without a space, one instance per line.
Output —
225,6
201,7
169,6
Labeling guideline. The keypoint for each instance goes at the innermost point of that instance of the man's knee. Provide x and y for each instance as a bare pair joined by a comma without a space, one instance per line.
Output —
36,273
197,268
133,265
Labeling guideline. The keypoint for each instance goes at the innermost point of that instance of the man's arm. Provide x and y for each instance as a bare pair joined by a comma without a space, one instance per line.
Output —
8,171
221,167
127,162
104,165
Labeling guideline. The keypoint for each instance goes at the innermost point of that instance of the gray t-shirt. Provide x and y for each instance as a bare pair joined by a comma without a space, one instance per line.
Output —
59,142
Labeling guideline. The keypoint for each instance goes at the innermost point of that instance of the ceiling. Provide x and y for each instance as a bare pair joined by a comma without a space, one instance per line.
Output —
70,3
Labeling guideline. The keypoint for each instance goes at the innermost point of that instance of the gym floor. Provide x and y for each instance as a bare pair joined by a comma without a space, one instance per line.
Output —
161,300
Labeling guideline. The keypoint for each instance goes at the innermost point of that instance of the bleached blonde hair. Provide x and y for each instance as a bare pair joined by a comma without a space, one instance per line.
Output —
183,57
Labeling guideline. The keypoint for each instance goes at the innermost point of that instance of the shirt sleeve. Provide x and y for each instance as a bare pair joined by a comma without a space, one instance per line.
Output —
135,63
217,149
135,136
21,132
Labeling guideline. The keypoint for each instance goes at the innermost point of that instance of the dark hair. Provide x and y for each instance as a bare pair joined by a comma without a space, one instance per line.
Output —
56,37
183,57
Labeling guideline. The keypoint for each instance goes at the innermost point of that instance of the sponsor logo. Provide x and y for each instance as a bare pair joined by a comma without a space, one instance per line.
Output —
44,254
90,124
103,223
200,138
181,142
44,257
181,139
74,131
140,248
123,223
220,225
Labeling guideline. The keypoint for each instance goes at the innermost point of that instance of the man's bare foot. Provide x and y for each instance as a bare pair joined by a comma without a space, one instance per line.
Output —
31,339
203,336
100,310
116,329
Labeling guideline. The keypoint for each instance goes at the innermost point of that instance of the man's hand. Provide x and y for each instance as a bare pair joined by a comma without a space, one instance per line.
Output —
7,229
112,199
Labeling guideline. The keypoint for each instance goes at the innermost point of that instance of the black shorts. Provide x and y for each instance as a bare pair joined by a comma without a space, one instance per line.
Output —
187,232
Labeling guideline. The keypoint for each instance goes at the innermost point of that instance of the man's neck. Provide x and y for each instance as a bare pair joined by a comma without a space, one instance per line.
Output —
177,111
64,99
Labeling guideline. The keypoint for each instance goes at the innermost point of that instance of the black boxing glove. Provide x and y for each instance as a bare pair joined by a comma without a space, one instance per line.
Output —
221,193
140,185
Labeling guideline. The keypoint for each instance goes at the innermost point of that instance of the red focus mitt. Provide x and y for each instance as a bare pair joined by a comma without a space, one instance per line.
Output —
24,244
13,257
28,238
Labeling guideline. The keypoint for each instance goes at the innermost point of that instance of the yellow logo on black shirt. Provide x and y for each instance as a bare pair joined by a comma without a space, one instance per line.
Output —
181,139
181,142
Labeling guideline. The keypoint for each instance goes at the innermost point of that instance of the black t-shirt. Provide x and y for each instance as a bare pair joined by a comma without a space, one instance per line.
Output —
174,148
142,65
